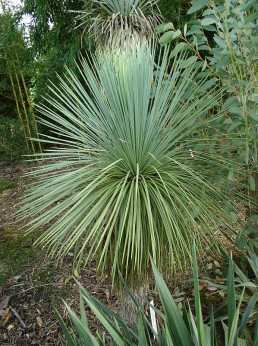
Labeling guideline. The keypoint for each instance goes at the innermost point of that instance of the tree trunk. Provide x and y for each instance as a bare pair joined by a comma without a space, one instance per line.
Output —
128,311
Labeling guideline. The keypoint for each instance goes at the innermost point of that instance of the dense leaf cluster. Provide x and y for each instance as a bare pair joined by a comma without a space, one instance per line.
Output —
224,39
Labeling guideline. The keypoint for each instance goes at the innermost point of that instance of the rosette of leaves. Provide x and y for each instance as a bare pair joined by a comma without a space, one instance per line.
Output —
116,21
122,182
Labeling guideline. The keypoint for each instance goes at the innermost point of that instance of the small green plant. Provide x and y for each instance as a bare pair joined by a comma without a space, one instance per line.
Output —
179,327
5,184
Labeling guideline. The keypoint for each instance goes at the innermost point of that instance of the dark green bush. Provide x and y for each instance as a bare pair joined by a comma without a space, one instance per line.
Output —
12,142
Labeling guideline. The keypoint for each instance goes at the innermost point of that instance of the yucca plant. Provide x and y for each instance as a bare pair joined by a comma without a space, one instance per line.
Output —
178,327
116,21
121,182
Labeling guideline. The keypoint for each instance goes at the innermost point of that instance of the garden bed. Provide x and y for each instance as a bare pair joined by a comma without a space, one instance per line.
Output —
33,286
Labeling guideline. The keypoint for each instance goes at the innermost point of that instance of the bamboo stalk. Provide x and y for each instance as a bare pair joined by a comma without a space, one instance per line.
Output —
15,94
23,104
28,100
22,99
18,110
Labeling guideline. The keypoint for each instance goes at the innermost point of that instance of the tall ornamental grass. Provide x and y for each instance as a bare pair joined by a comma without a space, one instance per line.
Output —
122,182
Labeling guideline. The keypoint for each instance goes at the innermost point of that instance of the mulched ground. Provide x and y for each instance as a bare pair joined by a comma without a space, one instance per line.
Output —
32,287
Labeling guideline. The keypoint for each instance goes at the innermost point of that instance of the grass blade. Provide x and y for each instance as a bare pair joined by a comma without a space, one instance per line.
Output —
231,299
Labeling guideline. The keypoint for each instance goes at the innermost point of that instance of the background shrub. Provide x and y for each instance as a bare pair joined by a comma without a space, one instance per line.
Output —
12,144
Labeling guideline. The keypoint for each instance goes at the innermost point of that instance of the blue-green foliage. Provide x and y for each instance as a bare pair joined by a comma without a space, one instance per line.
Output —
123,171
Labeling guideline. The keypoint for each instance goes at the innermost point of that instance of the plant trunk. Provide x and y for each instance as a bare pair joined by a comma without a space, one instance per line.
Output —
128,311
